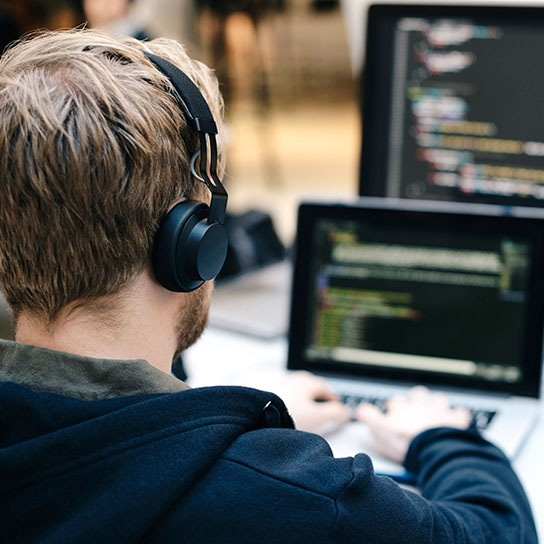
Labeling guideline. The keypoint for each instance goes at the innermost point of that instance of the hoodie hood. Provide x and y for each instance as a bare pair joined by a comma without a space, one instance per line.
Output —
108,460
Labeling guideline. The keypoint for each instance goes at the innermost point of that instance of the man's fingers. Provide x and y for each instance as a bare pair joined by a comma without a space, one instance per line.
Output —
369,414
418,392
323,392
463,417
313,386
333,411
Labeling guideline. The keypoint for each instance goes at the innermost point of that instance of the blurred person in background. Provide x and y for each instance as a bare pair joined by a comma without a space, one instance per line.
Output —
115,17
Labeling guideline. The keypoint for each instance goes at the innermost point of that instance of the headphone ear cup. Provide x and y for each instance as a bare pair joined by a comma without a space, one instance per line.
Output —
188,250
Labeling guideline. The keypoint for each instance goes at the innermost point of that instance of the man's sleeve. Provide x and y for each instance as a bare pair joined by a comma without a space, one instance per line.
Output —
469,494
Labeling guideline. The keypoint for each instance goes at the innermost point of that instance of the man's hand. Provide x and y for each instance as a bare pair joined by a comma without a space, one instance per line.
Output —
406,417
313,405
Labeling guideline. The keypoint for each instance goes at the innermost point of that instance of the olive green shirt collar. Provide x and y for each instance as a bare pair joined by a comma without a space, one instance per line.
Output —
83,378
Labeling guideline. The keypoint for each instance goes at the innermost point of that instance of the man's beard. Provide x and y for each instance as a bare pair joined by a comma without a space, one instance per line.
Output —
193,317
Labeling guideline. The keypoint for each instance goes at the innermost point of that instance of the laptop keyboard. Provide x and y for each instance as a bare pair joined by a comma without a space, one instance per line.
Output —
481,418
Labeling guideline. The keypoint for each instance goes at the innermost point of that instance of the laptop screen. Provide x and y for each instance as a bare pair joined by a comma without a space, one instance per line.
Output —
452,104
443,297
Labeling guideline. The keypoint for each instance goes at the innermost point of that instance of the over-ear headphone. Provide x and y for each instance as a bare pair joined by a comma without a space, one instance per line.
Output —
190,245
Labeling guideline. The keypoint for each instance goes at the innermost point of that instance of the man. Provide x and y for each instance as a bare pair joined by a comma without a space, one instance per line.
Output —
99,443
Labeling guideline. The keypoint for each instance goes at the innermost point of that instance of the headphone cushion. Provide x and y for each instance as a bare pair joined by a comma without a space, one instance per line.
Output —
188,250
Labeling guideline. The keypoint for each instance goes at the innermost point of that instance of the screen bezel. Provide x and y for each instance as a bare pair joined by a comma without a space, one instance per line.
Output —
413,213
376,85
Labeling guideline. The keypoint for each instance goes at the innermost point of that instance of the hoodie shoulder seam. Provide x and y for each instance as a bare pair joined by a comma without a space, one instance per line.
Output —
278,479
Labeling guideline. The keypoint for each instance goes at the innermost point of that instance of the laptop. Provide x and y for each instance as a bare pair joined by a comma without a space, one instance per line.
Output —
390,293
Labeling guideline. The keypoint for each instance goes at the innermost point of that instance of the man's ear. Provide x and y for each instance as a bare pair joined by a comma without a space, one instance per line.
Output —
188,248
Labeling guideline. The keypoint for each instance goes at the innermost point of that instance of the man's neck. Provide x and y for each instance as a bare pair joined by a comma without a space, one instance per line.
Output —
141,324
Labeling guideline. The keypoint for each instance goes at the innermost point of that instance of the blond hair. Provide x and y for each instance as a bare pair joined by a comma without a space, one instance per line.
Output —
93,151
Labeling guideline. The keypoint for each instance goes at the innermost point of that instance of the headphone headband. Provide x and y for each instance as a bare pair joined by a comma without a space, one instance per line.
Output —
199,116
191,244
192,102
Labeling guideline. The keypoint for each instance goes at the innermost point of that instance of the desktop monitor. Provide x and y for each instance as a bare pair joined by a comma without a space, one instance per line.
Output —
453,104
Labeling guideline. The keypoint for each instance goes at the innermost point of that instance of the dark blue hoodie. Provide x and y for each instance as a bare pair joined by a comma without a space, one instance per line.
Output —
105,451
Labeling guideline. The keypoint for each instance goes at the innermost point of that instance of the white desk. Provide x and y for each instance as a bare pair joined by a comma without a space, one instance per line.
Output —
224,358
